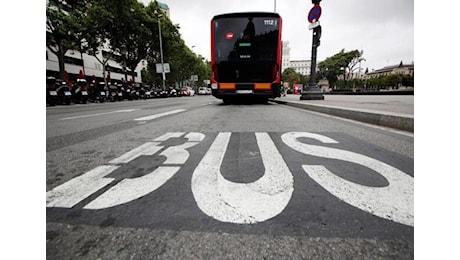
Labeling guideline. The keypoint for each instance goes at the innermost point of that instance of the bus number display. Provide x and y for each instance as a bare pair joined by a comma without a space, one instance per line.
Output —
271,22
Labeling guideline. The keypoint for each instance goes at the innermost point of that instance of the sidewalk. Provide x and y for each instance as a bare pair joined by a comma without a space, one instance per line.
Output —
390,111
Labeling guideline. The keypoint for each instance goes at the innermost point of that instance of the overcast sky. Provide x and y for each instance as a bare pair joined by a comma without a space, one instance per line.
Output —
384,30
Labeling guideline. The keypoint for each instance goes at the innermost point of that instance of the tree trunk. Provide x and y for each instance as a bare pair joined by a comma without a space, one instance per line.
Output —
60,55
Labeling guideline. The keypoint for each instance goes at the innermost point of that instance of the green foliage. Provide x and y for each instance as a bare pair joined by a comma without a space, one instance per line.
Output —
128,31
407,80
389,81
340,65
292,77
62,30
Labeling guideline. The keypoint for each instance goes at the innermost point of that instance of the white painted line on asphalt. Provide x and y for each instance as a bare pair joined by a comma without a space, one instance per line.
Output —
394,202
242,203
100,114
134,188
130,189
77,189
147,118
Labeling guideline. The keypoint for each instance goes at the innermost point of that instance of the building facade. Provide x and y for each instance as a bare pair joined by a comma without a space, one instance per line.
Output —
300,66
285,63
403,69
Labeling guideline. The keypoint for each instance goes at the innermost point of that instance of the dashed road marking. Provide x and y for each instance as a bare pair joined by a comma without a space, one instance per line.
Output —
99,114
147,118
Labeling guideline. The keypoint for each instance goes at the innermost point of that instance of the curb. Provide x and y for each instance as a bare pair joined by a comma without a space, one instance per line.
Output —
403,122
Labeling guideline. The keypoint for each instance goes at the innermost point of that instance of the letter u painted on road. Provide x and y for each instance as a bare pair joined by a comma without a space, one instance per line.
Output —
242,203
394,202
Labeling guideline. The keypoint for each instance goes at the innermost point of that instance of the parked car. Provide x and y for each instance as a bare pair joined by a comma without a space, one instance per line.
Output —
187,91
202,91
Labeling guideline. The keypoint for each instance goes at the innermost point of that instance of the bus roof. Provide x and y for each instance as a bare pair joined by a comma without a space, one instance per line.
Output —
247,14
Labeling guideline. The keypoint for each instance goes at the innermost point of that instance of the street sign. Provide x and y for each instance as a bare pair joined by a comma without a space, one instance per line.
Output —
313,25
314,14
160,68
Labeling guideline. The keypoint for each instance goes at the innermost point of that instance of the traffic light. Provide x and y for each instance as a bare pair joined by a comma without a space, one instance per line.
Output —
315,2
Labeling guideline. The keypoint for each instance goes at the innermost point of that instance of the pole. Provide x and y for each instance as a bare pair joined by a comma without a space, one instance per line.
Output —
124,66
82,61
161,54
314,47
312,91
275,6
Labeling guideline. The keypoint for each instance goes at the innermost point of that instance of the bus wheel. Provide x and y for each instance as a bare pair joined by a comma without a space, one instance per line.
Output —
227,101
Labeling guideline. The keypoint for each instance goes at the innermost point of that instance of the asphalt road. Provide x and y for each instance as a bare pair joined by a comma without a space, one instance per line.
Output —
192,178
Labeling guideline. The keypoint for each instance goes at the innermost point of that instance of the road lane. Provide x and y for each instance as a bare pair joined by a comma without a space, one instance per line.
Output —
311,212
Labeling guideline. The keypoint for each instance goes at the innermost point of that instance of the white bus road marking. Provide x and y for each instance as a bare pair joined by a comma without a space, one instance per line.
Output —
242,203
394,202
76,190
100,114
130,189
148,118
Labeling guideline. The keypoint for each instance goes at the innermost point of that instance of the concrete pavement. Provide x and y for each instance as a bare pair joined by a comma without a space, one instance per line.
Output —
386,110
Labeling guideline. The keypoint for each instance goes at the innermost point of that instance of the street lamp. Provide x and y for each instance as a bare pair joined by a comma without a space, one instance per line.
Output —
159,15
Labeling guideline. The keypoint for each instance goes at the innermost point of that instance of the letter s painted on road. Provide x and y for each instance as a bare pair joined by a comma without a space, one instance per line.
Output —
394,202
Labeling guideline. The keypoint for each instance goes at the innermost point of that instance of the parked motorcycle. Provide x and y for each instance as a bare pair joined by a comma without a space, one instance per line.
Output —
80,92
100,92
148,93
172,92
113,93
120,92
141,92
64,92
51,93
128,93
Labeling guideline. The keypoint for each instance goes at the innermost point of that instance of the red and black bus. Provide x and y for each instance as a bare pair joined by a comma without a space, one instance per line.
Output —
246,55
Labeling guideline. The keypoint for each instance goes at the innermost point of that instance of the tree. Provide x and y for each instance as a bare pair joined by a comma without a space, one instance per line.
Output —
407,80
392,80
100,30
123,30
61,30
183,62
291,76
135,39
355,58
340,64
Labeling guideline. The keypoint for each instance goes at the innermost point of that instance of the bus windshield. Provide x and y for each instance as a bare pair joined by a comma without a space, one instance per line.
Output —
245,48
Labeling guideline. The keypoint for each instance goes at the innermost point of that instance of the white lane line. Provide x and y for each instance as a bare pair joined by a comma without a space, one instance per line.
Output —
100,114
147,118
